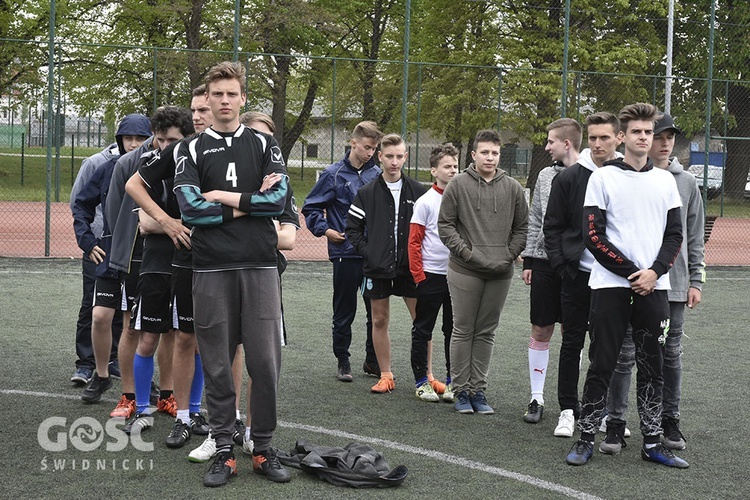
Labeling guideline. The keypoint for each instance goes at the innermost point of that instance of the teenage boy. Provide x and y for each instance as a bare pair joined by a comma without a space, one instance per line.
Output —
325,211
563,142
428,263
631,215
686,278
236,299
152,314
108,293
483,221
378,229
563,239
85,364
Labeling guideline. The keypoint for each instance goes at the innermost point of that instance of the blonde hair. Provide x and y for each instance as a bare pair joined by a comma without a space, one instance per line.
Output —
367,129
568,129
256,116
226,70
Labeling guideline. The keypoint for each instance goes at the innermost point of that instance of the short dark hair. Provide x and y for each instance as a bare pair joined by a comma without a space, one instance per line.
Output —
200,90
487,136
439,152
638,111
568,129
604,118
167,117
226,70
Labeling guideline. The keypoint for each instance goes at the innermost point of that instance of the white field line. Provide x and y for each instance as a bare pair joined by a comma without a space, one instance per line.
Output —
432,454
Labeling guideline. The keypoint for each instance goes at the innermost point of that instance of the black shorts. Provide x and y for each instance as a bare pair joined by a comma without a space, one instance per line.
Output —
382,288
108,293
151,312
545,298
182,299
130,282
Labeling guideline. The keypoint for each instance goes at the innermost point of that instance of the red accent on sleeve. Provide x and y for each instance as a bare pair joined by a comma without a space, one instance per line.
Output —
416,236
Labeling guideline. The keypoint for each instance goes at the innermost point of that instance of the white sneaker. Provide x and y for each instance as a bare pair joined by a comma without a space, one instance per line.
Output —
204,452
603,427
565,424
247,445
425,392
448,395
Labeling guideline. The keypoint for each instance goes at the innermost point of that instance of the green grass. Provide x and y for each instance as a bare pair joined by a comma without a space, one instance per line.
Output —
38,355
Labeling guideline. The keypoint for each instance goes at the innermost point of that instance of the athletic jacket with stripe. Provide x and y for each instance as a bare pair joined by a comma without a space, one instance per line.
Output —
370,224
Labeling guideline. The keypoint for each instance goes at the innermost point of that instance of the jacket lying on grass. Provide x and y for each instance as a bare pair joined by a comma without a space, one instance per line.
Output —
356,465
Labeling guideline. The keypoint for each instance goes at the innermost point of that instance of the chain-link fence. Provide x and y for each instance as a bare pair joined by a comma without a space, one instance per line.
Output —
316,101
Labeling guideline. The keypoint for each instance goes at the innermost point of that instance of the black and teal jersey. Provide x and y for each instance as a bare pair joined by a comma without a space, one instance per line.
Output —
236,162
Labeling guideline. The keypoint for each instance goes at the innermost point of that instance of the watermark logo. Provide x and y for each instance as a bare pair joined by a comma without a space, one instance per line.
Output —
87,434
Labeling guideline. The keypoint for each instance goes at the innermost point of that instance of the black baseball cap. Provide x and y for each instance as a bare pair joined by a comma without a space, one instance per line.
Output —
665,123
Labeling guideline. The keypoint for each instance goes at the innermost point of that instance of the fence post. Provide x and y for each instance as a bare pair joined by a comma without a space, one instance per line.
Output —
23,153
302,165
333,110
72,156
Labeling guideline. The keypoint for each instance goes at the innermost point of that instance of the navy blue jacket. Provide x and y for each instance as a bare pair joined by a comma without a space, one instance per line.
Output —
333,194
91,195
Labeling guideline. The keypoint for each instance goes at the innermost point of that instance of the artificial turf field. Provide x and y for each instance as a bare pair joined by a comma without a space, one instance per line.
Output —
448,455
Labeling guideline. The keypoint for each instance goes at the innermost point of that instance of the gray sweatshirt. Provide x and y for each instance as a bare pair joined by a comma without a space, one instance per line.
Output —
535,238
483,223
689,269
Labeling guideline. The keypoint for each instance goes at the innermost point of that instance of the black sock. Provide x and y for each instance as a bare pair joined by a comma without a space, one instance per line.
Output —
164,394
130,396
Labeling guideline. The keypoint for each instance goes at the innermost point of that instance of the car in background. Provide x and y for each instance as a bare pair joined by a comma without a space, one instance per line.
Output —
715,179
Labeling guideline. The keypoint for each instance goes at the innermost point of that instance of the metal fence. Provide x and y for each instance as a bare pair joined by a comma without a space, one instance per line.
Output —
444,103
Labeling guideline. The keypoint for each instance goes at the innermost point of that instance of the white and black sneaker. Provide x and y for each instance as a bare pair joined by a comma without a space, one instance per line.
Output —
179,436
198,424
139,423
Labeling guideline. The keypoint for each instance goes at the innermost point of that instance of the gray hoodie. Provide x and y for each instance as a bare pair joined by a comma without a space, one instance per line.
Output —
483,224
535,238
689,269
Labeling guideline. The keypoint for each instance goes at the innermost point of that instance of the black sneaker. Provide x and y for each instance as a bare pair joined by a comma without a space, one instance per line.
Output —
672,437
198,424
239,432
371,368
98,386
534,413
153,397
266,464
660,454
179,436
615,440
139,423
223,468
580,453
344,373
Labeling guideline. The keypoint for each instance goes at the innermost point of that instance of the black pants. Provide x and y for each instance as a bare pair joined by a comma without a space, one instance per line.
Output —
84,350
347,278
432,294
575,303
612,310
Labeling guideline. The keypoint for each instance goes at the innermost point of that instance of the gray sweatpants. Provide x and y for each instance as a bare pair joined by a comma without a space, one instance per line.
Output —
477,304
232,307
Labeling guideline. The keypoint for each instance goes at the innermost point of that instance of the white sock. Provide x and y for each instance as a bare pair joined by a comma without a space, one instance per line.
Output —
247,433
183,416
538,361
238,417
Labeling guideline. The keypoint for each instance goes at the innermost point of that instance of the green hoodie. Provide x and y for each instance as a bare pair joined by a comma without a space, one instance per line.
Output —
483,223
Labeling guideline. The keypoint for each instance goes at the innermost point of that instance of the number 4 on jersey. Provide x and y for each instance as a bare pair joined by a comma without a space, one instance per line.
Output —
232,174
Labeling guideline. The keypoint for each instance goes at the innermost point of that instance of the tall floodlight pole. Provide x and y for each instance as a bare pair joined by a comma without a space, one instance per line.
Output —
50,128
670,42
236,29
405,92
566,41
709,98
